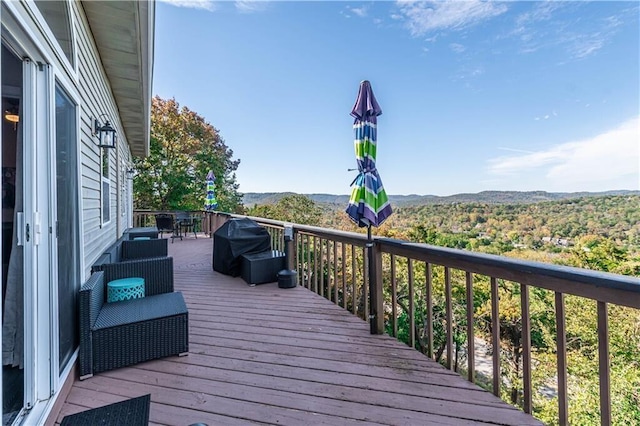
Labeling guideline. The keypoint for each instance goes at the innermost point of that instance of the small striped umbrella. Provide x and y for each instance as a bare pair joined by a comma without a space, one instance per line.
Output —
211,203
368,204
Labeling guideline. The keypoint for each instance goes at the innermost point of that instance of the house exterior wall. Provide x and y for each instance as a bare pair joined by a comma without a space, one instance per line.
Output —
86,82
96,99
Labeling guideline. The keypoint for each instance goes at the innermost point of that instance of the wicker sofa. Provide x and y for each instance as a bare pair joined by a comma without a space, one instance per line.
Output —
118,334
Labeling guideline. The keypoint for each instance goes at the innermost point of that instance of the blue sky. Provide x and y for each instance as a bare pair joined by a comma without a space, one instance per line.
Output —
475,95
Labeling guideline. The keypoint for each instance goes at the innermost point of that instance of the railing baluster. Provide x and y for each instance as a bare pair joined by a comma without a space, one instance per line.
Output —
322,281
327,293
429,295
471,344
309,269
376,321
315,264
495,336
344,275
330,263
449,317
394,297
603,361
299,253
335,272
527,403
561,344
280,236
412,317
354,268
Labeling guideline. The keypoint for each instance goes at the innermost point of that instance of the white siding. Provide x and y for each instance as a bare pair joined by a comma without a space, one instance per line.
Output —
96,98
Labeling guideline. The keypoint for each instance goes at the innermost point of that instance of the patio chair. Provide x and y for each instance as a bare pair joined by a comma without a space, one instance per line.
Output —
186,224
123,333
166,223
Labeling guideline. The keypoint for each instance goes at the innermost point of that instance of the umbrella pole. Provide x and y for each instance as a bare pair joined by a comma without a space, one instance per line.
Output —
373,324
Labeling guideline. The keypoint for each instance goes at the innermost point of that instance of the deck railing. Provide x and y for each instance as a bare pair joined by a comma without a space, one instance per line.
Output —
142,218
335,265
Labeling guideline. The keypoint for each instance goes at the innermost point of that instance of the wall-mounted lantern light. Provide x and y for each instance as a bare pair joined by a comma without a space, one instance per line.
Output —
105,133
130,173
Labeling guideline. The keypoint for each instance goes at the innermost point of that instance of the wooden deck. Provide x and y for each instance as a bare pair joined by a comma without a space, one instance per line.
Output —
267,355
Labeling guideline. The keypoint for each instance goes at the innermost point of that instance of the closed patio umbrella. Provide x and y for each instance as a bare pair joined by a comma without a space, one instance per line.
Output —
368,204
211,203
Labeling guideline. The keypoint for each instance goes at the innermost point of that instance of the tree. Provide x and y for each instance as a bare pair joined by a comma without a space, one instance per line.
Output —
183,148
296,208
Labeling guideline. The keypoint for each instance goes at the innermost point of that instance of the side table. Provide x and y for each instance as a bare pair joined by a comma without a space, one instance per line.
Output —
125,289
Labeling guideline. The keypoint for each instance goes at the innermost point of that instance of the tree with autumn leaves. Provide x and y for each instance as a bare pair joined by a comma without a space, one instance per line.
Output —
183,148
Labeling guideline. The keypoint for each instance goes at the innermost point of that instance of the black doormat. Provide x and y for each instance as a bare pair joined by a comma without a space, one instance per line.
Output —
132,412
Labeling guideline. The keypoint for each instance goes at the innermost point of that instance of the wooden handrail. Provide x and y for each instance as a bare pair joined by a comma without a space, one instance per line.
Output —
602,286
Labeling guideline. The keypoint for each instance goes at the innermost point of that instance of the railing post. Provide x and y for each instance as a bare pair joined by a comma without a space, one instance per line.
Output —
603,362
376,311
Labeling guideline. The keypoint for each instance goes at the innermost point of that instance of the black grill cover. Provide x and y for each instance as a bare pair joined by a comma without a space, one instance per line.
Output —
235,238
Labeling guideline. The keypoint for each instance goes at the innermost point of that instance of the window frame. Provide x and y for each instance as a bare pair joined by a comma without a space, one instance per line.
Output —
105,186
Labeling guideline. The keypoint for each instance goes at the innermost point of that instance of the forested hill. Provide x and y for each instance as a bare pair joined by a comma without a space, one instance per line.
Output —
488,197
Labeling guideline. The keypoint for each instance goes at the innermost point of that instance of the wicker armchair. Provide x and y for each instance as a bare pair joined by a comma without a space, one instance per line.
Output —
128,251
158,271
114,335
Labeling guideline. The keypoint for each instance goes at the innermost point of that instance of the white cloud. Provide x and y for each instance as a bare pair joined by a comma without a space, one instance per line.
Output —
427,16
360,11
610,160
457,47
541,11
553,24
468,73
193,4
585,45
250,6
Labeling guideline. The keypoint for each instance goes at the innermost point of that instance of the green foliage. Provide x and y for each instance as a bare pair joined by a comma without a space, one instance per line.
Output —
291,208
183,148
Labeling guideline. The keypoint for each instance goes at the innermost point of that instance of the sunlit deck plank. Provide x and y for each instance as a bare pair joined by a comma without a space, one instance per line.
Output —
274,356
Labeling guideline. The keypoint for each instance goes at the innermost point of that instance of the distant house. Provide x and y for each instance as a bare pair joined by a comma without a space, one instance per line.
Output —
561,242
68,68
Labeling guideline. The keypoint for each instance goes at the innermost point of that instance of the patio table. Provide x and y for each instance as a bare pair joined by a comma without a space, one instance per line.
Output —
125,289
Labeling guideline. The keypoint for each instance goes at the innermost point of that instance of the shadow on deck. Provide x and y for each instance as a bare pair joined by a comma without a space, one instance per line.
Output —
286,356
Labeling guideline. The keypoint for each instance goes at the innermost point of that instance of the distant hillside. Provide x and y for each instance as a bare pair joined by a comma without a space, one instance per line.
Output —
488,197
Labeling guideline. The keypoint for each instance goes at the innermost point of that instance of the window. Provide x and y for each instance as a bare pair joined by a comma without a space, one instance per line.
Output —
56,13
106,187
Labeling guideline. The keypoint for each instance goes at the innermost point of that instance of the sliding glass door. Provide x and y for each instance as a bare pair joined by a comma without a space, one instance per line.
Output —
66,225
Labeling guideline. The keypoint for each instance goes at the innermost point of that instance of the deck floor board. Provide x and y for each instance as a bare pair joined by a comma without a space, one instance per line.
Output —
265,355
